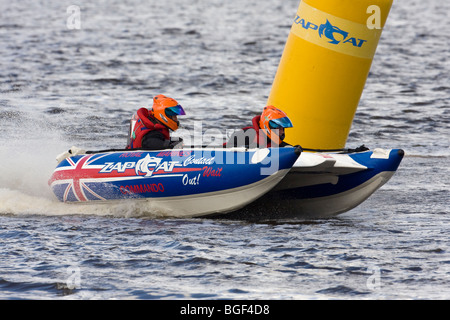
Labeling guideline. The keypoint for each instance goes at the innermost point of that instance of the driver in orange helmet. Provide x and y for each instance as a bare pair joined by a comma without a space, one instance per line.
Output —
149,129
267,130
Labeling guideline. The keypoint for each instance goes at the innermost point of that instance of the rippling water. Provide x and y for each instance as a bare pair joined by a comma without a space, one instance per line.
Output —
61,87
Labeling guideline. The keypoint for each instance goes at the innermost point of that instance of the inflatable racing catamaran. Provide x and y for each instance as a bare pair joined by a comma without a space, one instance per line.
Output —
319,83
201,181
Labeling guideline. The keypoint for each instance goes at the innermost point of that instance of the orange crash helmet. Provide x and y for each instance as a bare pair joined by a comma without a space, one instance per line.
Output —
166,110
272,120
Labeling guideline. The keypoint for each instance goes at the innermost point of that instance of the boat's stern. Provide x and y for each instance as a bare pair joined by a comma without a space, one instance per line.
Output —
326,184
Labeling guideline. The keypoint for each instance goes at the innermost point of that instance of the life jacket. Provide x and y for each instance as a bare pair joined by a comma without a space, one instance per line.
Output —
142,123
255,127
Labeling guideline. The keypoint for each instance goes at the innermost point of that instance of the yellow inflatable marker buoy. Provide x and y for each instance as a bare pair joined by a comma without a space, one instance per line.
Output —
324,68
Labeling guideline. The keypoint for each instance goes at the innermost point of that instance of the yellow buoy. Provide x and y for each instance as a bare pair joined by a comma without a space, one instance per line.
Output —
324,68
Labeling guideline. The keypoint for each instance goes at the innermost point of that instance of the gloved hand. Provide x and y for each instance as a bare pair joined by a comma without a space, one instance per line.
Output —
176,143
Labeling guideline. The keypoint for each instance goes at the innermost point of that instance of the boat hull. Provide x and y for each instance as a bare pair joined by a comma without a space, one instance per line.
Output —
179,183
326,185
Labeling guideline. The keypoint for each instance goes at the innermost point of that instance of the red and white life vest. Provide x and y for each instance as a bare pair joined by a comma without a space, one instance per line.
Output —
142,123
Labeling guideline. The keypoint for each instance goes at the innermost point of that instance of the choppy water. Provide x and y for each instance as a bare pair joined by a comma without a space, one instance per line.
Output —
61,87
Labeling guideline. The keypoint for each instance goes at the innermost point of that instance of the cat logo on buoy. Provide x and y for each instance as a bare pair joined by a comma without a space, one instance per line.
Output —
328,30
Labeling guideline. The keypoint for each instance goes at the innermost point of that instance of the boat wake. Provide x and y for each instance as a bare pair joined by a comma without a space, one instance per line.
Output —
18,202
28,160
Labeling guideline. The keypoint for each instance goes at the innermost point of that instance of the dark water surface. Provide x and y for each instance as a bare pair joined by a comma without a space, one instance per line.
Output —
61,87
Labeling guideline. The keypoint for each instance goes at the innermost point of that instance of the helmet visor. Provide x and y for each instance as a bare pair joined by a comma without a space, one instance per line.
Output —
280,123
175,111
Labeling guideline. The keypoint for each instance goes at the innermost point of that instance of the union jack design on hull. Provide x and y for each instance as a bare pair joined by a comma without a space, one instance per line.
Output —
75,175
